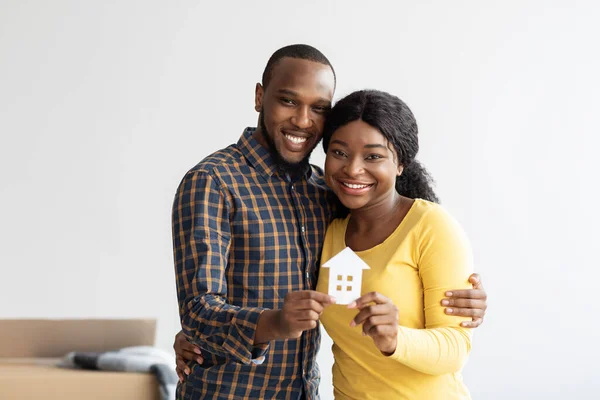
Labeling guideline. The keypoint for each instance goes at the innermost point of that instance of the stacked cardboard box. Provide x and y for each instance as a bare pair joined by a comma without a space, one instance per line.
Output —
30,350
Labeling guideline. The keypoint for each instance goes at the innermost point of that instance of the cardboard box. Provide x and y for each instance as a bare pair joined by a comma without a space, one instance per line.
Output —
30,349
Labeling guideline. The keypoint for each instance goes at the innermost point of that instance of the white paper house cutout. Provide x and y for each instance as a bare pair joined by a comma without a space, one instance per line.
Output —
345,276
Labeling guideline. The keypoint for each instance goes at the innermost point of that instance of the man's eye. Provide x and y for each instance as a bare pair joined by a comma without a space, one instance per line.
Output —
321,109
287,101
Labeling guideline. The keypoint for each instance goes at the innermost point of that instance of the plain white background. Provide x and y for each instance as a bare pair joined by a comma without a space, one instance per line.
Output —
105,105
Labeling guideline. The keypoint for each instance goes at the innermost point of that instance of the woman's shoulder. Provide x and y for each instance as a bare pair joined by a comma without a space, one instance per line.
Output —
436,226
339,224
434,216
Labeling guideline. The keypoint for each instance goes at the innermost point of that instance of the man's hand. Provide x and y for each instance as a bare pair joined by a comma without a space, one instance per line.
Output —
379,317
301,311
185,352
468,303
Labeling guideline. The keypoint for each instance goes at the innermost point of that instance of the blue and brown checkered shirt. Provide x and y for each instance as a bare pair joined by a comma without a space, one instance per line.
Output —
244,236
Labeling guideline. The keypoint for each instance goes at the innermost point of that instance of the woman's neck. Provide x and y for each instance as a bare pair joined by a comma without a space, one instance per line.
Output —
367,219
370,227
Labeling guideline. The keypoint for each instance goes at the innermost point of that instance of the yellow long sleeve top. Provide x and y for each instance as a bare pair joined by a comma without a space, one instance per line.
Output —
425,256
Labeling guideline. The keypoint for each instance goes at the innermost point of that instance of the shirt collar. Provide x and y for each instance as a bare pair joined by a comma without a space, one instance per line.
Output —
260,157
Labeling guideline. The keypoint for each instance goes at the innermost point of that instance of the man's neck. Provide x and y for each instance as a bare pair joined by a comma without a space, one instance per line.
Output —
260,138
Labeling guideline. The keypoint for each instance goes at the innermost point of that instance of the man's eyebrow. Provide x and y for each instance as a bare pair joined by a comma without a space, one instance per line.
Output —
292,93
288,92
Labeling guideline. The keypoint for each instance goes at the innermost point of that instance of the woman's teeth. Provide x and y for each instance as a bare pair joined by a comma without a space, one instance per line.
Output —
354,186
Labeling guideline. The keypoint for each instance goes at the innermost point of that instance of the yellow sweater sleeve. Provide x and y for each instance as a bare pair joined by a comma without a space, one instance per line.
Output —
445,262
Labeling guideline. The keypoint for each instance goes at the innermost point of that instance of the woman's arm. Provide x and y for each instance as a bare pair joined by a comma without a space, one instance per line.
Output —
445,263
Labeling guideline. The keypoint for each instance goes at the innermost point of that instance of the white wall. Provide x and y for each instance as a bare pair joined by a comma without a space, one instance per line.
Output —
105,105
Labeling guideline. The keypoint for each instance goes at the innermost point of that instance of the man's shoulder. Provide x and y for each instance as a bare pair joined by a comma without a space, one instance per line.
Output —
219,162
318,176
318,171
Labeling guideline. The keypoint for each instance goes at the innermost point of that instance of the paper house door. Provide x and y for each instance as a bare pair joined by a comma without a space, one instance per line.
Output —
345,276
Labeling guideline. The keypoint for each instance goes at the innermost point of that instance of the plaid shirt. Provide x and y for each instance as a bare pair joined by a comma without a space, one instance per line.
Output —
244,236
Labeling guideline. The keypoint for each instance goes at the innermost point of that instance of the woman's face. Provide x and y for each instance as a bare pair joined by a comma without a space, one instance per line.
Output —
360,167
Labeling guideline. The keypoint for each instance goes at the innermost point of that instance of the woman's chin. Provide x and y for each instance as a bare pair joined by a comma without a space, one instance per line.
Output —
351,203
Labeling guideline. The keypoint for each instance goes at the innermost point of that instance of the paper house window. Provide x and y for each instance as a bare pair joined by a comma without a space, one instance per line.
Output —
345,276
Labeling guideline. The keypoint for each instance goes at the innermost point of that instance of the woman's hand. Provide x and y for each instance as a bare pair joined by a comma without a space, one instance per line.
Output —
184,353
379,317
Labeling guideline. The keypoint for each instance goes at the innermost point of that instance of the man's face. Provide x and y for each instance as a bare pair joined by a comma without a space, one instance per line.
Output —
293,108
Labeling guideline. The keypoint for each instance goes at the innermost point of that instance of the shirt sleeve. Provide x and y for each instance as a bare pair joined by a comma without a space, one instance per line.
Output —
445,263
201,242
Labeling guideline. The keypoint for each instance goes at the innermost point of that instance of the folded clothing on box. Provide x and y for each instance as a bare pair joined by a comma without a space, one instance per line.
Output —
130,359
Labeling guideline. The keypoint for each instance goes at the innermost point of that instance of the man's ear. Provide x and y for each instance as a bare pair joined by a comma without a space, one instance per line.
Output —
258,97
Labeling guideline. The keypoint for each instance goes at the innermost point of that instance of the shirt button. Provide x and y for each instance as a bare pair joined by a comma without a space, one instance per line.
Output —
302,228
292,187
307,276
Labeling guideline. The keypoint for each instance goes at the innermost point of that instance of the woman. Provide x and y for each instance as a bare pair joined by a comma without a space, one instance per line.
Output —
400,344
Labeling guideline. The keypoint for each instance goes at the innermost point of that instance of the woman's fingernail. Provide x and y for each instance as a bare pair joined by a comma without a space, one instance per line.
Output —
449,310
445,302
449,294
199,360
197,350
352,324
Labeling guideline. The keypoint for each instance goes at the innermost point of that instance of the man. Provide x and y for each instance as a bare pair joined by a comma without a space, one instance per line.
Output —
248,226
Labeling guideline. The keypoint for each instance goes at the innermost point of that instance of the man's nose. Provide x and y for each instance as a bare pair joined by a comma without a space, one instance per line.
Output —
302,118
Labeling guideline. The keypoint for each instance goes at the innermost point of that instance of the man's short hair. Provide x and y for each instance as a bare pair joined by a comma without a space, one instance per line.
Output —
301,51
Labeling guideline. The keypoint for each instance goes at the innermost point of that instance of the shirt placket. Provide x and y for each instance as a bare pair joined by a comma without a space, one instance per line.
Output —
302,226
301,218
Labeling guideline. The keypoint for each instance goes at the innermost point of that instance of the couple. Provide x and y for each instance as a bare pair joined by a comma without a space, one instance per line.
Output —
249,225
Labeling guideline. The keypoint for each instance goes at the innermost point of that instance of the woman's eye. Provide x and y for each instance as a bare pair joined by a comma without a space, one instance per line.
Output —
339,153
374,157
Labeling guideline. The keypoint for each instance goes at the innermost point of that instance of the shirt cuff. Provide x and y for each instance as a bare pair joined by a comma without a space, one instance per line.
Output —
400,353
258,361
240,341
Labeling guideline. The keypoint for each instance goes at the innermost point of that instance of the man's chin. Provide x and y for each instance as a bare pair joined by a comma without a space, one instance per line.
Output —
292,166
295,161
296,166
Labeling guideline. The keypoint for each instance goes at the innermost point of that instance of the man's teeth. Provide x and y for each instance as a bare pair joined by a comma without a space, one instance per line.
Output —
353,186
296,139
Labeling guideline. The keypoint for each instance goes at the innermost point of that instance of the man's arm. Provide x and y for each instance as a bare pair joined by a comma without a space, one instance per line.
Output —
201,240
301,311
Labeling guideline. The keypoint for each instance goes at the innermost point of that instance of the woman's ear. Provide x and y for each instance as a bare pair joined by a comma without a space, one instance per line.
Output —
400,169
258,97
